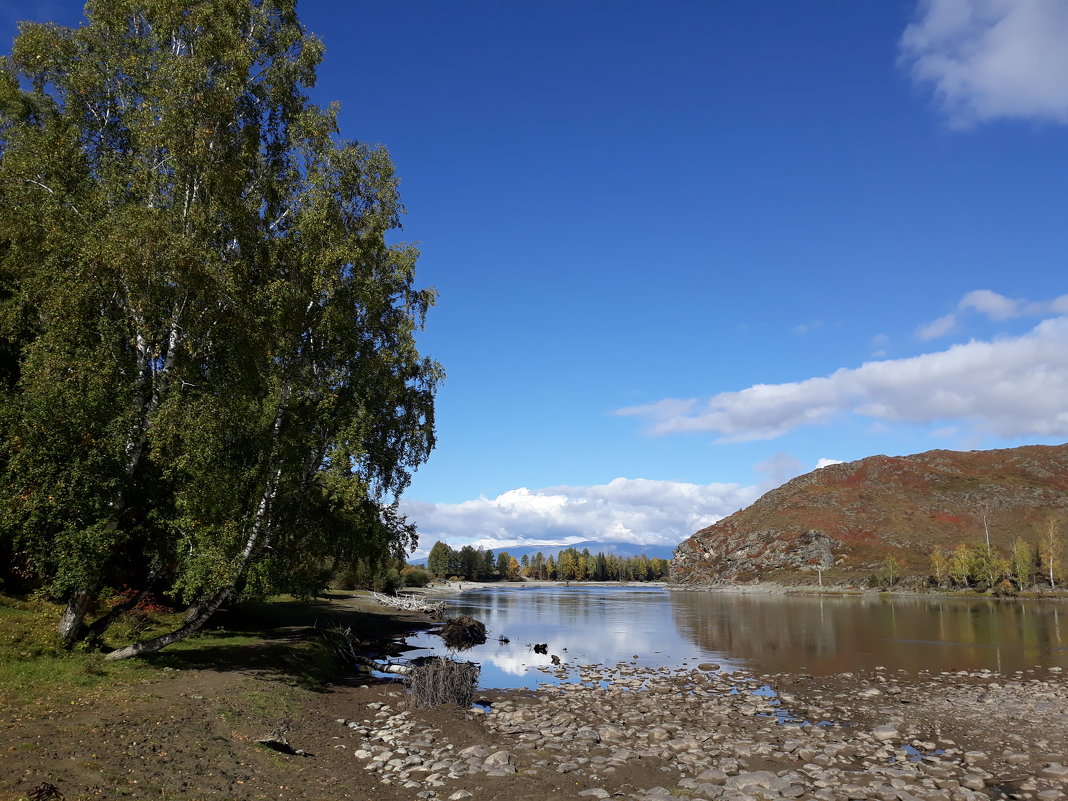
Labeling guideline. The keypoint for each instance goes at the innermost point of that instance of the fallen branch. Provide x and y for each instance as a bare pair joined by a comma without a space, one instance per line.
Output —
345,645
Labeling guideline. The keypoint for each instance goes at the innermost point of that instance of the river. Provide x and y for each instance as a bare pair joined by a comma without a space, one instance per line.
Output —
656,627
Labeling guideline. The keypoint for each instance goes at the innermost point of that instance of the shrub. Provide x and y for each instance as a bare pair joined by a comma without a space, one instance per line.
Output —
387,581
415,577
1005,589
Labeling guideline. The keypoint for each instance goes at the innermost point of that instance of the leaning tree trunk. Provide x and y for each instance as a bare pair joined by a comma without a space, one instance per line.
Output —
206,609
257,539
72,623
149,387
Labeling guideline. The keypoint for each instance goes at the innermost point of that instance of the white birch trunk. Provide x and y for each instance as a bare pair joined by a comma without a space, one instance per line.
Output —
258,537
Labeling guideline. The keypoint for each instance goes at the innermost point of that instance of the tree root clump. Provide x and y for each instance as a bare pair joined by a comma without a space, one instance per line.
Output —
463,631
442,681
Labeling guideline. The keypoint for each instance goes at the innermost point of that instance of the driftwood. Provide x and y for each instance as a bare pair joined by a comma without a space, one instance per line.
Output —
411,603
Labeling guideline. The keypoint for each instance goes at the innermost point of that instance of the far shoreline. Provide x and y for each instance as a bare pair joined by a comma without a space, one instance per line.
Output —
451,588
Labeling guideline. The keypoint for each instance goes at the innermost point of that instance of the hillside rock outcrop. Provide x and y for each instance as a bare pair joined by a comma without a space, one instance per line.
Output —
852,515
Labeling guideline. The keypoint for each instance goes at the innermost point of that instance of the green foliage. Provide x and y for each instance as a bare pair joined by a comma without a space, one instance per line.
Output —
940,566
985,568
212,377
471,564
438,559
381,575
415,577
1023,566
960,565
889,572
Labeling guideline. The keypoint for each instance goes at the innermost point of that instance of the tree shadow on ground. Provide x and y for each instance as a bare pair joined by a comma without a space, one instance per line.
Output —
279,638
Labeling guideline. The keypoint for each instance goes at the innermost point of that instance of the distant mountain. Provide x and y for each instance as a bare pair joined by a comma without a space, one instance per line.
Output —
622,549
846,518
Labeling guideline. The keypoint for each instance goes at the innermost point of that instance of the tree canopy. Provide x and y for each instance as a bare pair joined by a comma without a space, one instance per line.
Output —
210,380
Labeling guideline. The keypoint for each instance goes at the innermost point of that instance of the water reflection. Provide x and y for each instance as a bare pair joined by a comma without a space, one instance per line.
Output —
581,625
827,635
653,627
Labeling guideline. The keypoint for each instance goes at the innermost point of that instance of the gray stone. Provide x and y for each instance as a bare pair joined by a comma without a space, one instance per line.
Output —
1054,770
758,778
887,732
712,776
972,781
498,758
611,733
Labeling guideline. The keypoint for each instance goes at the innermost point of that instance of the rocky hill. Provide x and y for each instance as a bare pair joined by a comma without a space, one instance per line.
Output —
847,518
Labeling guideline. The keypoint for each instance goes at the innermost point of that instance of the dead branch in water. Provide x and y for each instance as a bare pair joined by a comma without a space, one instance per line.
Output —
346,646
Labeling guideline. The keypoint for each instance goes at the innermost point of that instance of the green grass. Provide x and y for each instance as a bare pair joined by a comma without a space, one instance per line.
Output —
34,669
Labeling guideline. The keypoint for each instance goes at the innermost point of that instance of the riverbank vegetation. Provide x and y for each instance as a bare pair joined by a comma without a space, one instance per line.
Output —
209,380
983,567
475,564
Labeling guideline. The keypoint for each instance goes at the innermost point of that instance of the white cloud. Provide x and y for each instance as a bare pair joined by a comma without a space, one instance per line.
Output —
995,307
778,468
1010,387
825,462
808,327
635,510
937,328
987,59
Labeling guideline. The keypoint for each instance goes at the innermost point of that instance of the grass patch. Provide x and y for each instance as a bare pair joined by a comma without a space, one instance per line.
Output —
34,669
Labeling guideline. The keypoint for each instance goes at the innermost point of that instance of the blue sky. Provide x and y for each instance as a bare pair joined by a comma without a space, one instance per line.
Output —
688,250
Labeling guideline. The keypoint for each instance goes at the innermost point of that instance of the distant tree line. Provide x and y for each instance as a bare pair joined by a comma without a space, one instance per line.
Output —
476,564
385,575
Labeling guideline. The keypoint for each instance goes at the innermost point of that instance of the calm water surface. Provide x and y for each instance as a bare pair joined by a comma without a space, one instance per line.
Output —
654,627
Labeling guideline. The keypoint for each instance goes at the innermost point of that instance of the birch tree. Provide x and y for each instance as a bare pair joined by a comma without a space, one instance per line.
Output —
1050,552
216,382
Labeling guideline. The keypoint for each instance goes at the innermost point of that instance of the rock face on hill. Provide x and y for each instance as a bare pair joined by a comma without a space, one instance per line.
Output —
849,517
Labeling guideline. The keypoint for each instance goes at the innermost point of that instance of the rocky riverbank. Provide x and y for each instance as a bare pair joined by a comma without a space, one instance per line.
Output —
700,733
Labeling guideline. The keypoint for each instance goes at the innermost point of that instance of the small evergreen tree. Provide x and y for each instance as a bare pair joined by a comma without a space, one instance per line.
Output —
438,559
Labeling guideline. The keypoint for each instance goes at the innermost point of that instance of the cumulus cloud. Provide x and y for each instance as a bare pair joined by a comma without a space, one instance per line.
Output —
988,59
1010,387
635,510
825,462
